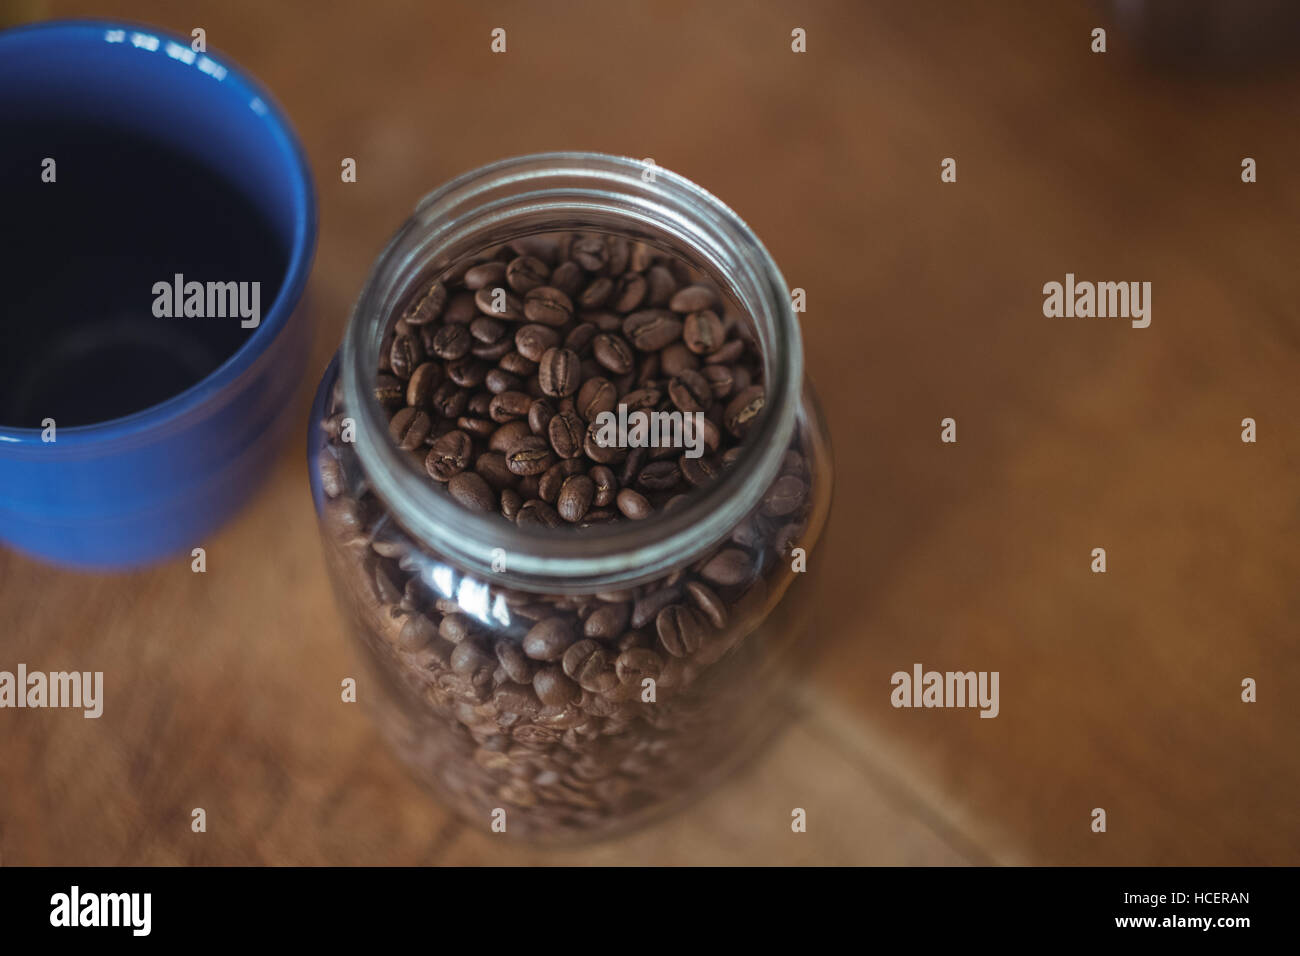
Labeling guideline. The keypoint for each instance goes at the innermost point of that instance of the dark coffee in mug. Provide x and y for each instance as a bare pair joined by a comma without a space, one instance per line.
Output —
90,237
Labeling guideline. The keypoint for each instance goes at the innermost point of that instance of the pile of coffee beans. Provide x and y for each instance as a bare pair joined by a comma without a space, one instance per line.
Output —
572,712
495,374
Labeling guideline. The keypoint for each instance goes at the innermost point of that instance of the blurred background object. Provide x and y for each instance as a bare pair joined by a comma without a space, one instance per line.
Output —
1213,35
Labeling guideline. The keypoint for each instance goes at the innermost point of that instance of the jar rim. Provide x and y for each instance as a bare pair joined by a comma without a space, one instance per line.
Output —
601,187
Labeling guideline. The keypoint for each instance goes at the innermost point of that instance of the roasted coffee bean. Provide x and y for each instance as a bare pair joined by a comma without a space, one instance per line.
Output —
504,438
538,513
698,471
540,413
558,373
509,406
487,329
498,381
605,484
596,395
607,621
427,305
449,400
785,496
596,293
633,504
643,399
389,391
743,410
580,338
511,502
575,497
727,354
566,431
417,632
389,541
548,305
526,273
476,427
534,339
553,688
409,428
549,639
333,480
708,603
690,392
492,466
452,342
619,252
386,590
470,490
420,386
405,354
658,476
514,363
493,353
471,662
702,332
548,486
516,698
646,607
449,455
636,459
677,358
651,329
636,664
455,628
484,274
568,278
468,372
590,252
613,352
720,379
629,292
680,630
642,257
660,286
730,566
530,456
500,302
693,298
588,663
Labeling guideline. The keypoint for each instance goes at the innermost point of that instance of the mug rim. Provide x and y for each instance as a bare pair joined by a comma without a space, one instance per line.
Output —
293,279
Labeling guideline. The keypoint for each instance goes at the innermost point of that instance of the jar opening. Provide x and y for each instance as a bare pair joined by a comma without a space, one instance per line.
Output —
526,196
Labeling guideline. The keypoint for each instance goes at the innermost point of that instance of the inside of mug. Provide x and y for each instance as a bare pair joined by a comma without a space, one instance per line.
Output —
148,196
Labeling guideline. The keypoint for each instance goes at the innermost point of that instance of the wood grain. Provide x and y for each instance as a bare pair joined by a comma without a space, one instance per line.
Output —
1118,690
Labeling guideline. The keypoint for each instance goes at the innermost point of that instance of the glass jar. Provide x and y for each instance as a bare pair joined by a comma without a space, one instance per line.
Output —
562,682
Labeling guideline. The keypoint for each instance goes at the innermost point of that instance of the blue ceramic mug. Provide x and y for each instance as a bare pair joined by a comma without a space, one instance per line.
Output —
161,221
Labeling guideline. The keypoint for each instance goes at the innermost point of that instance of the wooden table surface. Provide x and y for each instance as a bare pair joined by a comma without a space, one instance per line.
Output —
1118,690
